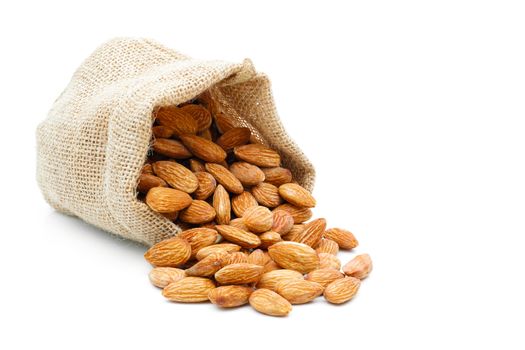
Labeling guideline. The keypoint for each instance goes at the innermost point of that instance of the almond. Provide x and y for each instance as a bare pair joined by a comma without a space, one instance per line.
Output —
199,238
176,175
329,261
147,182
206,187
239,223
266,194
270,303
294,256
248,174
224,122
269,238
327,246
198,212
215,248
296,230
161,131
147,169
189,290
235,258
230,296
269,280
162,276
177,120
171,148
282,222
258,155
200,114
258,219
299,291
277,176
242,202
171,252
206,134
342,290
233,138
196,165
242,273
203,149
324,276
299,214
297,195
167,200
243,238
344,238
224,177
312,233
358,267
271,266
258,257
221,204
208,266
171,216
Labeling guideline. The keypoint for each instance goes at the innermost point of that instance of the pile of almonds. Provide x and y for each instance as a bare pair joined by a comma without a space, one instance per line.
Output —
246,233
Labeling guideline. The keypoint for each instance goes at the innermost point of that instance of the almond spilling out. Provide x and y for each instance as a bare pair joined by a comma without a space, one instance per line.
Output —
242,222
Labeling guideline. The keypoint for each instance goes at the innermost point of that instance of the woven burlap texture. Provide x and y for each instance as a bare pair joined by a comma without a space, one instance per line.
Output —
96,137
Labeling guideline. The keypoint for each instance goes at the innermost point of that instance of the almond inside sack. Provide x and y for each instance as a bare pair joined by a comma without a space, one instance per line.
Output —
95,141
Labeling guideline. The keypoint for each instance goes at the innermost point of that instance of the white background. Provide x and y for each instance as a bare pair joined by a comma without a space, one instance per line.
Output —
413,113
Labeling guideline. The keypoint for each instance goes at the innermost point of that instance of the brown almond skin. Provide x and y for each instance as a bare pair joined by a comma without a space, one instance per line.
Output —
161,131
299,291
270,303
235,258
224,122
162,276
177,120
312,232
222,206
294,256
359,267
299,214
171,148
200,114
277,176
248,174
199,212
324,276
176,175
258,219
271,266
269,238
147,182
208,266
236,235
258,257
342,290
225,177
282,222
327,246
296,230
267,195
241,202
230,296
199,238
234,137
297,195
189,290
147,169
258,155
242,273
171,252
196,165
206,187
203,149
269,280
167,200
215,248
239,223
329,261
344,238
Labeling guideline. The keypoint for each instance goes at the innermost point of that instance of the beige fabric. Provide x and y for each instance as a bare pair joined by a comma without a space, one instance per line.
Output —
95,140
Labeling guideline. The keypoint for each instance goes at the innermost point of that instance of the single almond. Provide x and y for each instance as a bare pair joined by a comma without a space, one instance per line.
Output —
324,276
208,265
269,238
294,256
248,174
198,212
224,122
233,138
177,120
277,176
312,233
230,296
225,177
199,238
344,238
258,257
147,169
358,267
269,280
221,204
296,230
242,273
203,149
147,182
196,165
299,214
299,291
189,290
329,261
297,195
235,235
241,202
161,131
342,290
282,222
327,246
216,248
270,303
171,252
266,194
200,114
162,276
258,219
258,155
176,175
206,187
167,200
171,148
235,258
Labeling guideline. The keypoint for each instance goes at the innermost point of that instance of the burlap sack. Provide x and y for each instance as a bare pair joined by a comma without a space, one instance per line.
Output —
95,140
